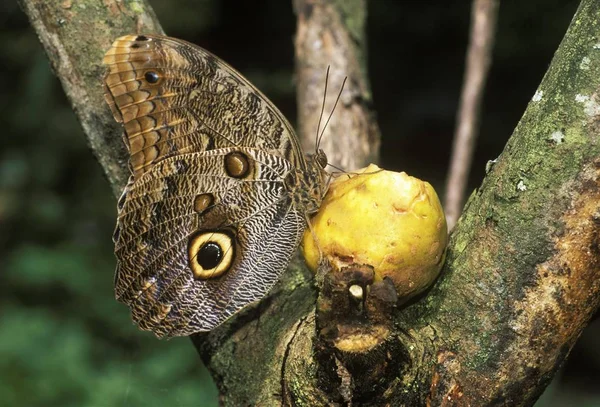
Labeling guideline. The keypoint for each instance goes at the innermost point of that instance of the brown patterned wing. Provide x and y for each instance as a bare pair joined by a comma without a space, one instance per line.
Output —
186,205
175,98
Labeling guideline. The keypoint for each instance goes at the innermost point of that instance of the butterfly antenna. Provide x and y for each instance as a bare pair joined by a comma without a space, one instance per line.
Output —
337,168
322,109
352,173
332,110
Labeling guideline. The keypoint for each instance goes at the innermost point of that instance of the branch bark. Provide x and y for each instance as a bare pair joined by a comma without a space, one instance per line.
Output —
522,275
479,57
332,33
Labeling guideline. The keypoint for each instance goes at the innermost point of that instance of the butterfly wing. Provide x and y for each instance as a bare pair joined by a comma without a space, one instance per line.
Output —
174,97
159,274
208,222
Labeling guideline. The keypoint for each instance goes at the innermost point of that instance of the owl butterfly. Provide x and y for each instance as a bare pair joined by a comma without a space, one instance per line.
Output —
219,193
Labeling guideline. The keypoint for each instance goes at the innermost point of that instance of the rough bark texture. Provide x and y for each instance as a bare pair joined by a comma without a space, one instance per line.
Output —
522,275
332,33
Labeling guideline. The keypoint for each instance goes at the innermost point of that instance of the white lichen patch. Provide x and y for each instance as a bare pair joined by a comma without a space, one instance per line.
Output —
521,186
558,137
538,95
590,106
489,165
585,64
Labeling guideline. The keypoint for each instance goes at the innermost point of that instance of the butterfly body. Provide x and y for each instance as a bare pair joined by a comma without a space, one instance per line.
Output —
219,193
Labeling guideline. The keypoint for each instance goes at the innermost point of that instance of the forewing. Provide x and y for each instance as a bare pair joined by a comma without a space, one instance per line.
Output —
176,98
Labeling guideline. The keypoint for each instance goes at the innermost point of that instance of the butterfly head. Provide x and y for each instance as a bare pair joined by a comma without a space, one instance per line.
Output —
314,182
320,158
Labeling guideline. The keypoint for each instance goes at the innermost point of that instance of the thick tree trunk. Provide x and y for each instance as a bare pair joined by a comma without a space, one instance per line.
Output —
522,275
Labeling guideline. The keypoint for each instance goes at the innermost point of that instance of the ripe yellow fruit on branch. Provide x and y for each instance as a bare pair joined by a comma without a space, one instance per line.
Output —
388,220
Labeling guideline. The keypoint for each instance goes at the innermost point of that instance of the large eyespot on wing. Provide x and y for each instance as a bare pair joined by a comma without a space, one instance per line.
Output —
211,253
175,98
244,229
267,250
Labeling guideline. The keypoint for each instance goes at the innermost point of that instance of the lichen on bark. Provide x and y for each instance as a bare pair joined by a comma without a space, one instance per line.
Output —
525,298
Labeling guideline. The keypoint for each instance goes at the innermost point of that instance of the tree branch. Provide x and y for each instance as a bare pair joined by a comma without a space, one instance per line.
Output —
522,275
479,56
332,33
75,36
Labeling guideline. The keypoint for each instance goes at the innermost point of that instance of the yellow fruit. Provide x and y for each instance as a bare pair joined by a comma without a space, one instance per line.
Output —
389,220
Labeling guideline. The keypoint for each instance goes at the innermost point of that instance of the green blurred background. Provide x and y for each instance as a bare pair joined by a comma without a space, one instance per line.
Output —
64,340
